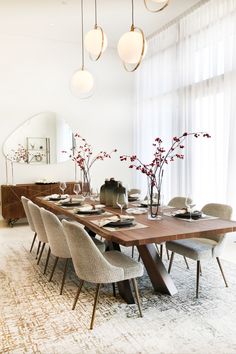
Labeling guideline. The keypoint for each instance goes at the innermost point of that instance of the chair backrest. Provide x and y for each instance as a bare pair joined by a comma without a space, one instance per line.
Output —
38,222
222,211
55,234
25,201
179,202
89,263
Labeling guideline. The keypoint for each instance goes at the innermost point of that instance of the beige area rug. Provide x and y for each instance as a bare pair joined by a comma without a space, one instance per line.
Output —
34,318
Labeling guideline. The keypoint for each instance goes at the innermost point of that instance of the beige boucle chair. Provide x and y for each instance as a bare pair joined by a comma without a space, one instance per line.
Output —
40,229
96,267
25,201
58,243
179,202
203,248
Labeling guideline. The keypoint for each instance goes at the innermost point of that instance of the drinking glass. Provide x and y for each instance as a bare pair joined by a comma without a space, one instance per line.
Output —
189,205
63,187
122,200
77,189
94,195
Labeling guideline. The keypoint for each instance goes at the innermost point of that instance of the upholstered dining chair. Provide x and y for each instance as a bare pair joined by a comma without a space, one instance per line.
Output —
40,229
25,201
200,249
95,267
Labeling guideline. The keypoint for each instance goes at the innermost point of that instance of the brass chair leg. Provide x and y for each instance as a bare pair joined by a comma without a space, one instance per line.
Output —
38,249
198,276
171,261
222,272
114,289
161,251
41,252
95,305
54,267
32,245
46,264
77,295
186,262
132,252
64,275
135,285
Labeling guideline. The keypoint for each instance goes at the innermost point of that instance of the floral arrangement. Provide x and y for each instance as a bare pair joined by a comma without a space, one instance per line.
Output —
18,155
85,158
162,157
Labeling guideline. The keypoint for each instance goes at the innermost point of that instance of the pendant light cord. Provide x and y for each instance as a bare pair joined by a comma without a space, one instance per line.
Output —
132,27
96,14
82,32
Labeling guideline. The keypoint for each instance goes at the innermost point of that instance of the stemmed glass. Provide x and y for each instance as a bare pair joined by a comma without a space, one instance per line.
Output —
189,206
94,195
77,189
122,200
63,187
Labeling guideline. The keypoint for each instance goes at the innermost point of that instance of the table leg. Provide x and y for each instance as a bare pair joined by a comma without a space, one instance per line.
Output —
156,270
123,286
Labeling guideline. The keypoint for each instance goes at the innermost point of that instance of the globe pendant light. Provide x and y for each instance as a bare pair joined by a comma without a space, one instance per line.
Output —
163,3
82,81
95,40
132,46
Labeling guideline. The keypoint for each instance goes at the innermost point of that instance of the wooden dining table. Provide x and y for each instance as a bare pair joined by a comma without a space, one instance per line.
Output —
144,238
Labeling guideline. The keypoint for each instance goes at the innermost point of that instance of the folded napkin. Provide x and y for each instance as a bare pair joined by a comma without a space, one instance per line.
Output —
114,218
85,207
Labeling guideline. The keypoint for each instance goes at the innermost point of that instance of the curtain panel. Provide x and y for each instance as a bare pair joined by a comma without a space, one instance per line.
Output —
188,83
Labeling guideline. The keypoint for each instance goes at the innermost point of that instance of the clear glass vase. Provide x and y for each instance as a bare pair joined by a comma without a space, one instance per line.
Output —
155,202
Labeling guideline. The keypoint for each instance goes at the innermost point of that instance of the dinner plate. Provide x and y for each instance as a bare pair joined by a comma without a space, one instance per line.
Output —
73,203
194,215
56,199
121,223
90,212
133,199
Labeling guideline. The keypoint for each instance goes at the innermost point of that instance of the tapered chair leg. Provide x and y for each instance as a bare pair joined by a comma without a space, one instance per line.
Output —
161,251
54,267
46,264
95,305
200,269
32,245
38,249
135,285
171,261
132,252
186,262
64,275
41,252
198,276
222,272
77,294
114,289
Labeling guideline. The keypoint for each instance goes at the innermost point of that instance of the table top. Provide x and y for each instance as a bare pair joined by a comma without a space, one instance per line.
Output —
167,229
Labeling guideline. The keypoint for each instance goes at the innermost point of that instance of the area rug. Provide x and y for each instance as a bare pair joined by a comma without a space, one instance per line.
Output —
34,318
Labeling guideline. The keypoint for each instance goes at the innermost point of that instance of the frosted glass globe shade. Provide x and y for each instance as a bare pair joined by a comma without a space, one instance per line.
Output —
82,82
93,42
159,1
130,47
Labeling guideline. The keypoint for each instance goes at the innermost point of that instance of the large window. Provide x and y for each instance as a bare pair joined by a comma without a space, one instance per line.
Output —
188,83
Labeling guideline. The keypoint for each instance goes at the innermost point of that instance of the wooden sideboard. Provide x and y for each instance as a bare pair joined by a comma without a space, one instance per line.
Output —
12,209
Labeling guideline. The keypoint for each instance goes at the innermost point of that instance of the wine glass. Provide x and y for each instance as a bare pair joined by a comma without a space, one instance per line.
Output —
63,187
77,189
189,205
122,200
94,194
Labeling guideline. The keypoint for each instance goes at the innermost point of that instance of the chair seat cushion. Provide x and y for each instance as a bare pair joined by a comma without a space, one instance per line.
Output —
132,268
194,248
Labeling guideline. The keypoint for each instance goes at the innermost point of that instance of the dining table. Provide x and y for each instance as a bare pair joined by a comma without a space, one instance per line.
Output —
145,235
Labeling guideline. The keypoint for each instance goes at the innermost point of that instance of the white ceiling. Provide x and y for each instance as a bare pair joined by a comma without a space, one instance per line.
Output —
60,19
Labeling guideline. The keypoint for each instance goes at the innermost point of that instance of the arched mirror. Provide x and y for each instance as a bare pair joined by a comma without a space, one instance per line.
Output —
40,140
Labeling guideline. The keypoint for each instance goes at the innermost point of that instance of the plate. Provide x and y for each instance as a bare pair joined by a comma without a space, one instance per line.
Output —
195,215
90,212
136,211
133,199
73,203
56,199
121,223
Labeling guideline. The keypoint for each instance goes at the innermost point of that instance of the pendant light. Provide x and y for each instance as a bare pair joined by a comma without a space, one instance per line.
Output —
132,46
163,3
82,81
95,40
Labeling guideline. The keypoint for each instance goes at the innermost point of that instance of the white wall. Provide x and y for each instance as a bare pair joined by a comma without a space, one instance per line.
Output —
35,77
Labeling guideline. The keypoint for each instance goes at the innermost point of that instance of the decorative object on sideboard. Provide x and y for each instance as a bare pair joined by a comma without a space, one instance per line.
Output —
38,150
84,157
155,169
82,81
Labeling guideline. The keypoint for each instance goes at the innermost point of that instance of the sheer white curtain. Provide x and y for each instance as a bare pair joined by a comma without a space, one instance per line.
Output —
188,83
